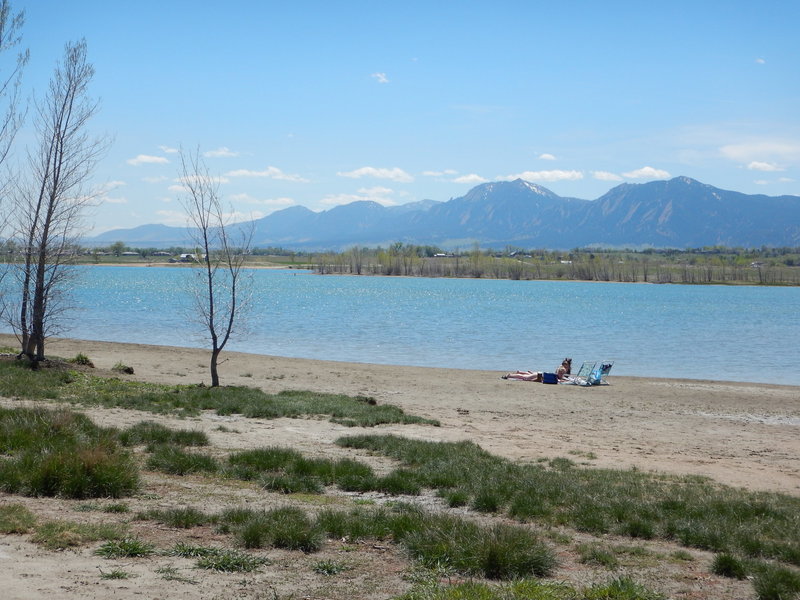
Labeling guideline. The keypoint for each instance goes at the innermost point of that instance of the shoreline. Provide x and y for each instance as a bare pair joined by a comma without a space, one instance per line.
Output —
740,434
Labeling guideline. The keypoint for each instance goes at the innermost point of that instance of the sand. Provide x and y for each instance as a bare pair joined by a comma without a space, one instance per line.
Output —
739,434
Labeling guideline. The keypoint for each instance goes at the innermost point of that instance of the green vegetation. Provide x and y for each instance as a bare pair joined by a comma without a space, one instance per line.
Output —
59,535
15,518
19,381
708,265
61,453
692,511
527,589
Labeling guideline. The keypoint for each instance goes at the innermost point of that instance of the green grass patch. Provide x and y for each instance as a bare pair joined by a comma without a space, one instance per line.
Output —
62,453
176,461
59,383
231,561
528,589
59,535
15,518
148,432
693,511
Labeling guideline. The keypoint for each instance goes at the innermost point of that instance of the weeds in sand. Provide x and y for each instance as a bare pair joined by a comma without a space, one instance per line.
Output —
16,380
595,554
125,548
148,432
231,561
115,574
15,518
117,507
527,589
172,574
286,527
58,535
175,461
693,511
61,453
330,567
121,367
727,565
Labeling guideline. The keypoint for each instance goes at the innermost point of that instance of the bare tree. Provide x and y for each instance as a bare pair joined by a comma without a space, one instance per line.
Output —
222,292
10,115
52,200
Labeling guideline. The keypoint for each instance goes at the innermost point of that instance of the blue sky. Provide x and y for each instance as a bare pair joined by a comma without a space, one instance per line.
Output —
323,103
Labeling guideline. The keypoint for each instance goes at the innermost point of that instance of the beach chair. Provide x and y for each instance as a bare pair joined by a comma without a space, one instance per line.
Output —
583,374
598,375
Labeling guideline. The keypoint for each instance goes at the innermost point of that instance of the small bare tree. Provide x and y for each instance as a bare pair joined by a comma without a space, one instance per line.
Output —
52,199
221,291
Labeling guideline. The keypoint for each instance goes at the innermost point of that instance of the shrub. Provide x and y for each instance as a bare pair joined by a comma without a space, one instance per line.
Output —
61,453
58,535
497,552
773,582
175,461
287,527
728,565
15,518
148,432
183,518
231,561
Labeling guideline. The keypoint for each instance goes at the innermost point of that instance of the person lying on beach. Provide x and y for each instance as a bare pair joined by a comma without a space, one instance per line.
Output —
562,372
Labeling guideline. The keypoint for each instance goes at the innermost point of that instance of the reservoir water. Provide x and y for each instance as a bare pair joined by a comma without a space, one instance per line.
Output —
738,333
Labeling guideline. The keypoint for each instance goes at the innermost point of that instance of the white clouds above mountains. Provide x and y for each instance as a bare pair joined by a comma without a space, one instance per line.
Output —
270,172
763,166
606,176
394,174
554,175
647,173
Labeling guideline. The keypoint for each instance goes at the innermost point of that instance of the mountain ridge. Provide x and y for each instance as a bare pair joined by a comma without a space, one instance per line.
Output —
675,213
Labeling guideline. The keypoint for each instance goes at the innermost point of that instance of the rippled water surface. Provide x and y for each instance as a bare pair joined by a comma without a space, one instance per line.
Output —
740,333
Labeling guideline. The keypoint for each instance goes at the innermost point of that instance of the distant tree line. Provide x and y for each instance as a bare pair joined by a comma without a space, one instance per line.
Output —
707,265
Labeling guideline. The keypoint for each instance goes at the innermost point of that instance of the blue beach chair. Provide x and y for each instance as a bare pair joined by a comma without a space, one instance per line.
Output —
583,374
598,375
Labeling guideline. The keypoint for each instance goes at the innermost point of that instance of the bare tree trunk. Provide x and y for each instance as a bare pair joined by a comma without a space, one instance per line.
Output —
51,202
220,301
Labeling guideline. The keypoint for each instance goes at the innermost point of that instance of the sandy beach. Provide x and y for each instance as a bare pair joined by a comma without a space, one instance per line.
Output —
738,434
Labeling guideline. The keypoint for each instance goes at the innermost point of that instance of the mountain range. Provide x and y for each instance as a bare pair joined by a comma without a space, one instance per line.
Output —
676,213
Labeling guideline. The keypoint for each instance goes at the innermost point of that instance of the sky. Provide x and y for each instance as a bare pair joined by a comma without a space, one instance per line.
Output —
325,103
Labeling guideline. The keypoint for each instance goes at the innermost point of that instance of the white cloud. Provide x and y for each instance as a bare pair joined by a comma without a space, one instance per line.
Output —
275,203
178,188
759,150
380,77
110,200
546,156
146,159
786,180
761,182
554,175
763,166
472,178
446,172
378,194
395,174
647,173
606,176
169,150
760,61
222,152
270,172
